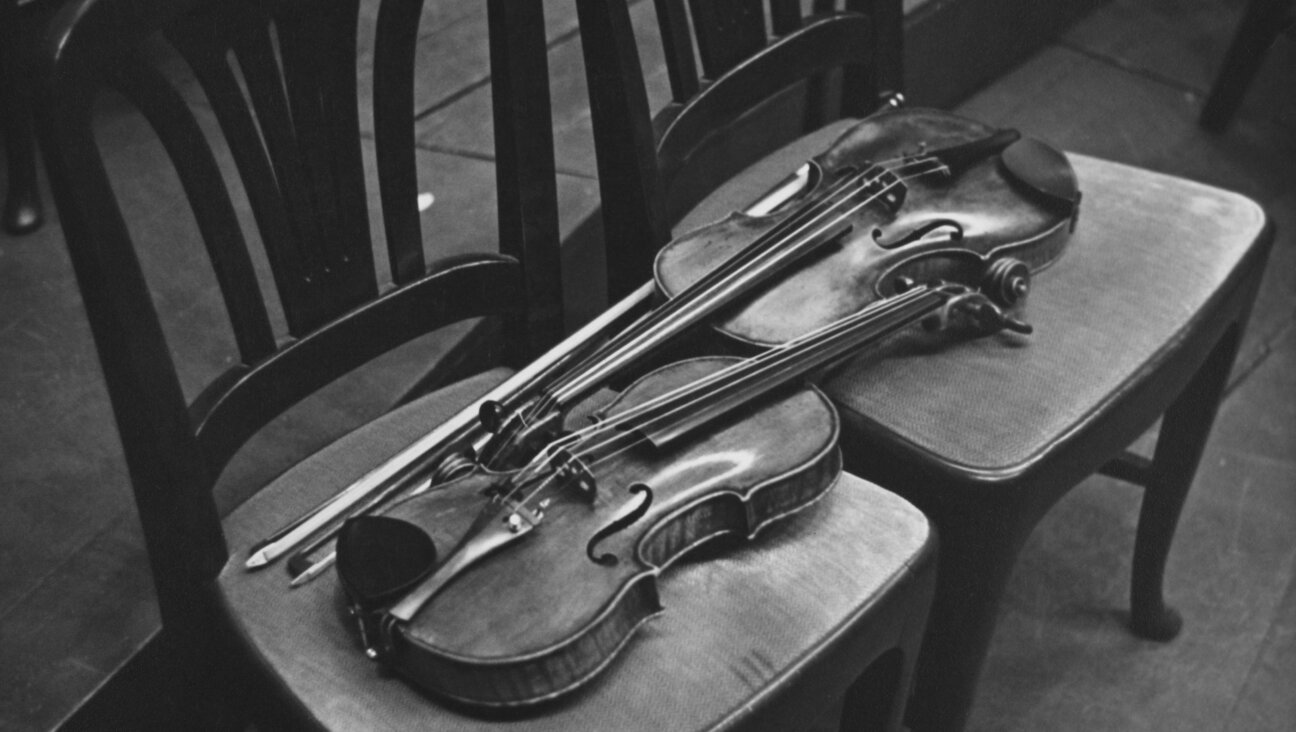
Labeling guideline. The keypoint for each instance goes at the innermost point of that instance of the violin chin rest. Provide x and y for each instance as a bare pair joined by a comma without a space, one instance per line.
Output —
1044,171
380,558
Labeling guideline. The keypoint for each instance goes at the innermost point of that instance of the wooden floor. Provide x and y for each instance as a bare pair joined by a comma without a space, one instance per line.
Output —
1126,83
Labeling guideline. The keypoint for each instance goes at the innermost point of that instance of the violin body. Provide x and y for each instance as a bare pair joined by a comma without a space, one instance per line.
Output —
544,615
948,228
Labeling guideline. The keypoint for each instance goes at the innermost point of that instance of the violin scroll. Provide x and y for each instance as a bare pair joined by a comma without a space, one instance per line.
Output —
1007,281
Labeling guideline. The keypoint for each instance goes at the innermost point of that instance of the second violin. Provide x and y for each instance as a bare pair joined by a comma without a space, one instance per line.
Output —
954,195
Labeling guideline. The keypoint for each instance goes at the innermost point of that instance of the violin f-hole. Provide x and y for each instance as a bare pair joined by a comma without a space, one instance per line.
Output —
955,234
610,560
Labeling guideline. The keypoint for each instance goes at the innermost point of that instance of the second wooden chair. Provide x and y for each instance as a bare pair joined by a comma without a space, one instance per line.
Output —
1138,322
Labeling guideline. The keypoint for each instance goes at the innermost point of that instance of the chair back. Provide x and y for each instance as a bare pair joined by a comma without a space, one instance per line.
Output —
280,79
729,62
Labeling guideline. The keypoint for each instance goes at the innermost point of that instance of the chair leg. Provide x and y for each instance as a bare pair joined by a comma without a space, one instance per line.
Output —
1260,25
977,552
878,699
1184,430
22,210
873,696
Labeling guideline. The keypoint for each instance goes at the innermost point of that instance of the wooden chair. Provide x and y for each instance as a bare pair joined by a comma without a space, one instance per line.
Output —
766,637
1138,322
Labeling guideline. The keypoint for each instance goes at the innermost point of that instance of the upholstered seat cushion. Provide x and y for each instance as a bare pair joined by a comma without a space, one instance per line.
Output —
736,627
1149,252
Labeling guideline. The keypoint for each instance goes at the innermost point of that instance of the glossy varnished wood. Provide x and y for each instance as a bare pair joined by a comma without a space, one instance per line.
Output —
994,220
540,618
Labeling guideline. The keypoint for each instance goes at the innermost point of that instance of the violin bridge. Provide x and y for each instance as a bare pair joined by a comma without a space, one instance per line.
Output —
573,471
884,188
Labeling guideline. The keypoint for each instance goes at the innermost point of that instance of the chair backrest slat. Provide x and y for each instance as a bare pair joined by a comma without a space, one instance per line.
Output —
292,258
634,221
299,112
677,46
727,31
799,56
526,173
887,67
395,37
785,16
211,66
208,197
317,50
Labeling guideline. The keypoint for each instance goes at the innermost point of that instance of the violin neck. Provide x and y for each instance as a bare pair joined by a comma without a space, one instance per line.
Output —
959,158
680,412
818,222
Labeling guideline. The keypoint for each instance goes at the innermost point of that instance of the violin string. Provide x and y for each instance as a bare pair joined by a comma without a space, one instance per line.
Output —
760,247
874,172
547,399
737,378
523,415
676,401
830,346
772,237
734,377
537,411
555,394
647,326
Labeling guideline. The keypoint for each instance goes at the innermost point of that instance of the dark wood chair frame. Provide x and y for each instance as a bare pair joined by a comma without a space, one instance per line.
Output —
23,211
295,139
640,198
650,178
1261,24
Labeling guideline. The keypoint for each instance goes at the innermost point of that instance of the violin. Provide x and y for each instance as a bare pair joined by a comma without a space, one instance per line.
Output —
897,199
947,216
549,569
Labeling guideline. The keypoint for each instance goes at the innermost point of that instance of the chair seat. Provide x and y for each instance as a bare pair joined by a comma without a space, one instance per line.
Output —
837,583
1149,255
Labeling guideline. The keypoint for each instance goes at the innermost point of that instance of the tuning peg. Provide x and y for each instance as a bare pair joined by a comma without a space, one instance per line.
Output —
1007,281
1017,326
992,319
981,311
